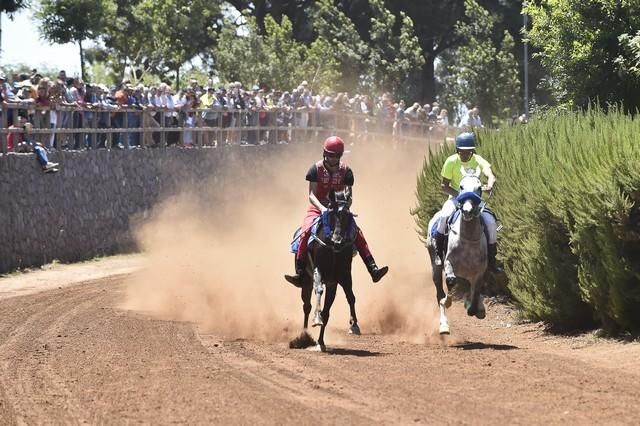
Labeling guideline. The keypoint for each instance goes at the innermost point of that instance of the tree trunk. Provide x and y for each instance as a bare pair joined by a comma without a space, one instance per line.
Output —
82,75
428,92
276,10
260,11
177,79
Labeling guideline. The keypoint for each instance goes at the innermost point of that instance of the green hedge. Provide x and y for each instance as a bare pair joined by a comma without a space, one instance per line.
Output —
568,196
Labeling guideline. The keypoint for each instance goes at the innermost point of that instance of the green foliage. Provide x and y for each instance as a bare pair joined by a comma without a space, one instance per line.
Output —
629,62
127,42
181,29
479,72
345,43
393,54
64,21
582,48
11,6
274,58
568,196
152,40
382,58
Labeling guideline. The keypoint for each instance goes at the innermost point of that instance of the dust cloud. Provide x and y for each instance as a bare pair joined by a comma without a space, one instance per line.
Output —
221,267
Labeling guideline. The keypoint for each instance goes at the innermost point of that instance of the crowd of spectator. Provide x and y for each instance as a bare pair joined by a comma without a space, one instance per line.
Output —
234,113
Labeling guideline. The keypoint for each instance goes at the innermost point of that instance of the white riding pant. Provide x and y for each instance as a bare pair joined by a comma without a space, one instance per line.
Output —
449,207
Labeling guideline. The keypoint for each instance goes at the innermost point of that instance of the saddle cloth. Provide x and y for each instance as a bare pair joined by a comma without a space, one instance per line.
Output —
434,229
320,220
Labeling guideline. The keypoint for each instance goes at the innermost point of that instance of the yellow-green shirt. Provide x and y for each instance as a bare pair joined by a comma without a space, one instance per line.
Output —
454,169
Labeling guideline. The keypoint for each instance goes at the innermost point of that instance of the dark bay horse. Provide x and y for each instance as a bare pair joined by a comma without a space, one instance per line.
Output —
331,251
466,257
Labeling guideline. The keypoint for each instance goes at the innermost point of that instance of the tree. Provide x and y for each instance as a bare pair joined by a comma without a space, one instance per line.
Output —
126,43
64,21
394,51
181,30
296,11
580,44
381,59
276,58
629,62
434,22
479,71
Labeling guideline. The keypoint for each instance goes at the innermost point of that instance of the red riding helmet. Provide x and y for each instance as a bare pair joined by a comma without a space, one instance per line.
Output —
334,145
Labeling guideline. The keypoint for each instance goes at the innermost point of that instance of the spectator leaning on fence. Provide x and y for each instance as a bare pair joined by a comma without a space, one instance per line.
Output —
21,142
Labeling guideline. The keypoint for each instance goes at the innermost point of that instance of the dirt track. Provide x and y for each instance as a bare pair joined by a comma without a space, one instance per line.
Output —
71,355
198,335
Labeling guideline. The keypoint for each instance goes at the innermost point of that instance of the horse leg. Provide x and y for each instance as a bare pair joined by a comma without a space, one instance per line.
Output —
306,303
443,299
451,279
319,289
347,286
328,301
475,306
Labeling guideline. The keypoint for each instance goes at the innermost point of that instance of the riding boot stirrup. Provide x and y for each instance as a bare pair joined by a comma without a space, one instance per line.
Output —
492,251
375,272
296,279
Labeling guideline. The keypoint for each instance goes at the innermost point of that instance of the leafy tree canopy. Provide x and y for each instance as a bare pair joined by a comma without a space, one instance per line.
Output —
588,49
64,21
273,58
11,6
479,72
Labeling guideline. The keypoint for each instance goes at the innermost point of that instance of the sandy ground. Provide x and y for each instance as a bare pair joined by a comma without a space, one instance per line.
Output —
196,330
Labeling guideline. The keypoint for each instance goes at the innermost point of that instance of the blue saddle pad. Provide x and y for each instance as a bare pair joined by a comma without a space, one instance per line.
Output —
296,236
314,230
434,228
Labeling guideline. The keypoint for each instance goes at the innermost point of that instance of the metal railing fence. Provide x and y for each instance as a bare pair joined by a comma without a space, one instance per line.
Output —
112,127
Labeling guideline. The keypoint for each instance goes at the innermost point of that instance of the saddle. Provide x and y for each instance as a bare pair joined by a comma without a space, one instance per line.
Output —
452,220
323,221
295,243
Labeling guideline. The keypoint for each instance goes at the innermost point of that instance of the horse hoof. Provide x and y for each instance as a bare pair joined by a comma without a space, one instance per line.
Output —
318,348
481,314
354,329
444,329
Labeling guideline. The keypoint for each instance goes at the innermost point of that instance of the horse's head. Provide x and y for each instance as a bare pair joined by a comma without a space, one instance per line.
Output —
340,218
470,197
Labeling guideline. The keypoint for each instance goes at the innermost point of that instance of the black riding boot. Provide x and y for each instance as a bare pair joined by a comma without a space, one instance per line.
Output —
375,272
492,250
296,279
439,260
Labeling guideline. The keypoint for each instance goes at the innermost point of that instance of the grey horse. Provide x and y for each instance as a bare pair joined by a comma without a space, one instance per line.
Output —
466,256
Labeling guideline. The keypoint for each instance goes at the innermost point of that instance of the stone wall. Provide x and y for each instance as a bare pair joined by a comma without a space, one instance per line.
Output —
88,208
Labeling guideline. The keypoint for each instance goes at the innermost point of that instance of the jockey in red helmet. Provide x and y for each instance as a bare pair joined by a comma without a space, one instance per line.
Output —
326,175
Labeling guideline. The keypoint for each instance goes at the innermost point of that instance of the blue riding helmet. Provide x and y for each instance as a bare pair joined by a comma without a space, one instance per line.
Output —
465,141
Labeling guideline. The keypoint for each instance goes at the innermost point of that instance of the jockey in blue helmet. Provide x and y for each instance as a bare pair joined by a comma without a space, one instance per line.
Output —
465,161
